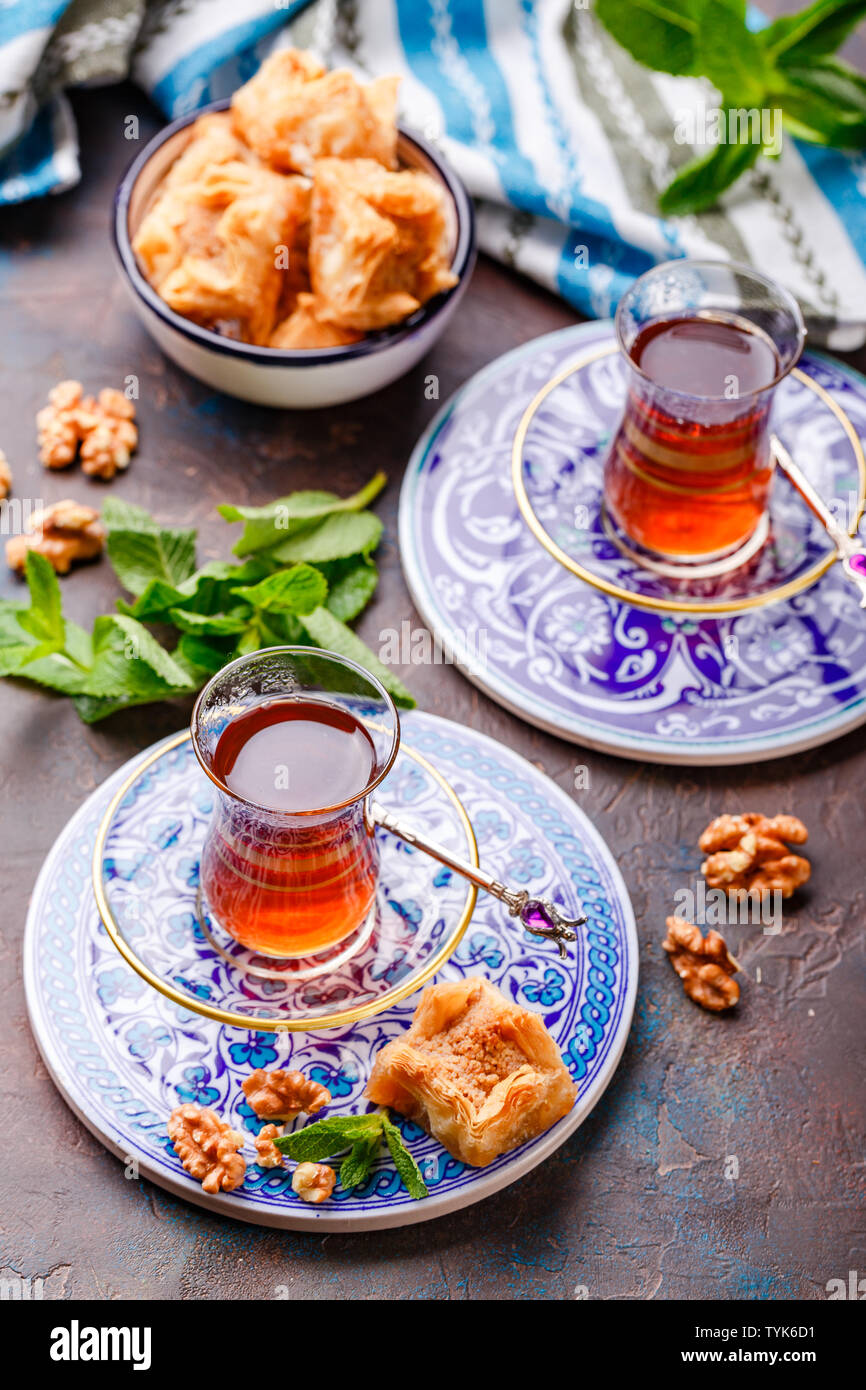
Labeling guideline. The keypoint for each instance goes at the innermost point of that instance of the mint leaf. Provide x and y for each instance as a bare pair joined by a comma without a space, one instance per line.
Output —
297,590
141,550
200,657
13,648
328,1137
208,590
355,1168
351,585
699,184
67,671
335,538
826,104
129,662
407,1169
362,1135
324,630
661,34
209,624
267,526
813,33
731,56
44,618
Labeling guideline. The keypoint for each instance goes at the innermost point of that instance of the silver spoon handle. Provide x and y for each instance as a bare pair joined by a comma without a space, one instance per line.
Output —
813,499
513,900
846,545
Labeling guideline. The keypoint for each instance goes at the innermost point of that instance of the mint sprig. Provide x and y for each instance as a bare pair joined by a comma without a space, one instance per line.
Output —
362,1135
306,572
789,66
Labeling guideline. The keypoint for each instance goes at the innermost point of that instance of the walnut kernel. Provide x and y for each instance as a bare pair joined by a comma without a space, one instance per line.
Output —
103,427
749,853
703,963
313,1182
268,1155
63,532
282,1095
108,445
207,1147
57,425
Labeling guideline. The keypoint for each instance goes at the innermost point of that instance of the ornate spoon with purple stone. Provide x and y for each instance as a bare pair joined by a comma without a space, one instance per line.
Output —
538,915
850,549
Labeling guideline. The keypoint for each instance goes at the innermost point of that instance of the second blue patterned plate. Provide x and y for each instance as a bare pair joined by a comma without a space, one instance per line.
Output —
492,548
124,1055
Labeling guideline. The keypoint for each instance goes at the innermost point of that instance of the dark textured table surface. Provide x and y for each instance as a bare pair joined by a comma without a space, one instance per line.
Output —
637,1204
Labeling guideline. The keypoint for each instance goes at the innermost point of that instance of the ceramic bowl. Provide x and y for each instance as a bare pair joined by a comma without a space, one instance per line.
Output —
292,379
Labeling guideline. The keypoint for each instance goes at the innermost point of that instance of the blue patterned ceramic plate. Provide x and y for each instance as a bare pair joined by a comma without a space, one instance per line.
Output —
670,687
124,1055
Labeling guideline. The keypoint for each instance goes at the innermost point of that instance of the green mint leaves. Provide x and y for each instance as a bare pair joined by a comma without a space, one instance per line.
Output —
661,34
362,1135
142,551
306,572
787,68
265,527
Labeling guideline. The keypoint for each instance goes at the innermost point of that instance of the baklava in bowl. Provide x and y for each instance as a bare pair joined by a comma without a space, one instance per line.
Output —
292,246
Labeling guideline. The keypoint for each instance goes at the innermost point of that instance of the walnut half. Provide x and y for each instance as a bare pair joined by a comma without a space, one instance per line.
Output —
58,427
749,853
63,532
313,1182
102,425
282,1095
268,1155
703,963
109,442
207,1147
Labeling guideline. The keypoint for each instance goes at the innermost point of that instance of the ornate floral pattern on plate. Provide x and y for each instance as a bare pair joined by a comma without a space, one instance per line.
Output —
659,687
124,1056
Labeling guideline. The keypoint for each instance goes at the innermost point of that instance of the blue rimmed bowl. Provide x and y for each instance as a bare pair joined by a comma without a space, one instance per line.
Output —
291,379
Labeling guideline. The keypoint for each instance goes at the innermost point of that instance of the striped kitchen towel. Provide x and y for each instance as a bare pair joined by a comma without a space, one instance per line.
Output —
563,139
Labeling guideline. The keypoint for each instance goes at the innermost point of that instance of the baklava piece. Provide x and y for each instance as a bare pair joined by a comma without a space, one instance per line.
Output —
180,219
303,330
216,247
294,112
479,1073
378,242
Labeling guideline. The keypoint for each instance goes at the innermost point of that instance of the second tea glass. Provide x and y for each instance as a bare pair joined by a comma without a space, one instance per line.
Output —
687,476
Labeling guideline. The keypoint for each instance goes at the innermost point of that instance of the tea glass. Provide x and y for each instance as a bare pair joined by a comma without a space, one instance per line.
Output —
291,884
687,476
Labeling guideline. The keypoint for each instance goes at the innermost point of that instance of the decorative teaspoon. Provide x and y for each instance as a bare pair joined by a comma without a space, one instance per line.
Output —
538,915
850,549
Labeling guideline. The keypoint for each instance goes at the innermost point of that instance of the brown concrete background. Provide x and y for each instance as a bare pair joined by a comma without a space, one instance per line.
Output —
636,1205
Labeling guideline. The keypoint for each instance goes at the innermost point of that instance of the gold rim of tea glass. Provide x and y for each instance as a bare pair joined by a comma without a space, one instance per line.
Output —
672,605
247,1021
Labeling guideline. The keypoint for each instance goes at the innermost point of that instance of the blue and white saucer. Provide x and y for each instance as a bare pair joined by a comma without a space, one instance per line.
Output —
509,562
124,1055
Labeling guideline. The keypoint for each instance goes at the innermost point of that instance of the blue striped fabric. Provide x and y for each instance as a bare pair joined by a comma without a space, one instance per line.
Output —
552,135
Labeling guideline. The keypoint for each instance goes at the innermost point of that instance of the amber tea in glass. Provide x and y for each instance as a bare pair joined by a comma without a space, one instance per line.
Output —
688,473
294,739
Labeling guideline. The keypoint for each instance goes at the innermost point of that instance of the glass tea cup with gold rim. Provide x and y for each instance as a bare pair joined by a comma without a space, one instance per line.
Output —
688,472
294,739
